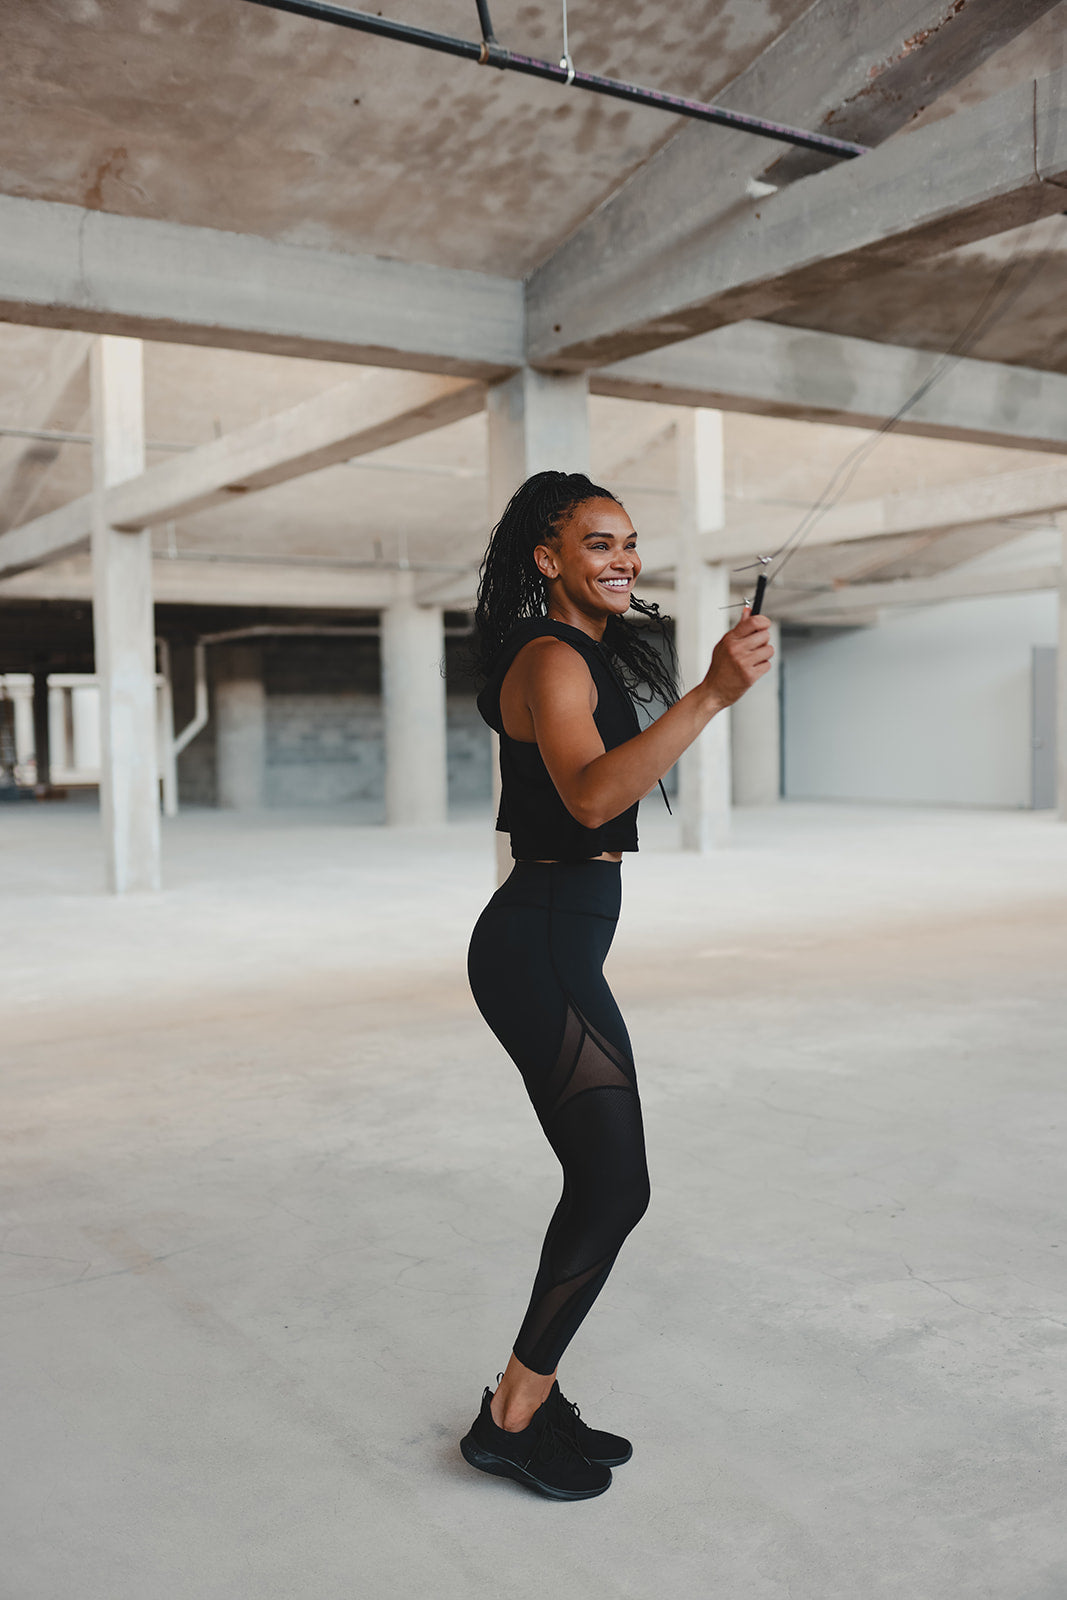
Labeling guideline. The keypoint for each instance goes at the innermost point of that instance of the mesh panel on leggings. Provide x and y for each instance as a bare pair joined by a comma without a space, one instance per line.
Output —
586,1061
591,1114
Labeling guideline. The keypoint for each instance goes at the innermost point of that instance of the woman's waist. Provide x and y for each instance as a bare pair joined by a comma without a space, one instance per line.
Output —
592,887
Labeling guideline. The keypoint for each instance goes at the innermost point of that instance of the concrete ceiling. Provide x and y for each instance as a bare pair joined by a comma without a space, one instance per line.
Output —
220,114
928,304
224,115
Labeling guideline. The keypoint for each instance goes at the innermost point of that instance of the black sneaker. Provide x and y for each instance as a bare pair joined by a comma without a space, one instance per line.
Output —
605,1449
543,1456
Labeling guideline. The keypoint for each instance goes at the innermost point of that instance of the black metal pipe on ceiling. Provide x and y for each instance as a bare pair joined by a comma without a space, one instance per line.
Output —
489,53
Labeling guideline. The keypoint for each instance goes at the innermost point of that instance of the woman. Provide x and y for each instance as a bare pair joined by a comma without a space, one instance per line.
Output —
560,665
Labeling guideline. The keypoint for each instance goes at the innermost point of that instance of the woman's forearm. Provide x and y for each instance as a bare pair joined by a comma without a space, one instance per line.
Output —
613,781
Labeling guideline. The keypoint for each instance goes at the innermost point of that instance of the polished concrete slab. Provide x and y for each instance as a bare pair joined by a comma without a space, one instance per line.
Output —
273,1197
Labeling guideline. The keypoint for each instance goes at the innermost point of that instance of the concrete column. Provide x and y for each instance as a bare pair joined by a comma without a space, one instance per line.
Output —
538,422
42,730
413,701
701,617
1061,701
22,695
240,727
122,627
755,738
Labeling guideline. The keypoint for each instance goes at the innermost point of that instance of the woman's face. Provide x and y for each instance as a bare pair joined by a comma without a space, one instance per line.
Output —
594,562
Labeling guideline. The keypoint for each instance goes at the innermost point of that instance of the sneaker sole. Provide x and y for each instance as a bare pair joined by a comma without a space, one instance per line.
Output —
501,1467
611,1461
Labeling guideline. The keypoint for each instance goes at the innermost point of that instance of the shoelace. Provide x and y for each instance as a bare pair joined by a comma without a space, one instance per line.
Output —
555,1441
569,1417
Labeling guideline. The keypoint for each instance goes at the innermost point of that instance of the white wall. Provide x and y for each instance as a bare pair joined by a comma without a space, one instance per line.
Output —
931,706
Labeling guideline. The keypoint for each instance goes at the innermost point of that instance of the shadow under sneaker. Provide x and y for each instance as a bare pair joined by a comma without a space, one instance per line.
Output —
543,1456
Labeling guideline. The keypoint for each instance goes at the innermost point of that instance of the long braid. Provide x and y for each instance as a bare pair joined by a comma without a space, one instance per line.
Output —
511,589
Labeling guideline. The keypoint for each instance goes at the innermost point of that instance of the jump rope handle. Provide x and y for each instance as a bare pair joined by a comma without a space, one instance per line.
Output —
757,598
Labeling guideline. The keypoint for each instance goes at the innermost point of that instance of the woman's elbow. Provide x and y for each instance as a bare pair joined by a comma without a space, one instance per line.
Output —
587,812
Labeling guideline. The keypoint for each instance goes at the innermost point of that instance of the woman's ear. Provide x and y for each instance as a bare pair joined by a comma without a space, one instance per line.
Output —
545,561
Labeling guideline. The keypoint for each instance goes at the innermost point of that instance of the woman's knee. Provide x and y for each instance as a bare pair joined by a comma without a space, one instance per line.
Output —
629,1202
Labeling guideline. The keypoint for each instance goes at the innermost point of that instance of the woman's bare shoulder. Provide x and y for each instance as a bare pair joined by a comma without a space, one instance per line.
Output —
549,660
546,671
548,650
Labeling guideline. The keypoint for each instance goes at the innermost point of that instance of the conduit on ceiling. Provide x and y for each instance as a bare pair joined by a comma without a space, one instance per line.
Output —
488,52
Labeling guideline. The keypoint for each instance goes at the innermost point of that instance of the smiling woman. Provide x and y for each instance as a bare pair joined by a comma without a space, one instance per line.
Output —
560,664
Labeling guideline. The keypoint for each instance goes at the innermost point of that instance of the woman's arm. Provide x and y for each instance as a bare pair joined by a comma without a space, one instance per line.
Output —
596,785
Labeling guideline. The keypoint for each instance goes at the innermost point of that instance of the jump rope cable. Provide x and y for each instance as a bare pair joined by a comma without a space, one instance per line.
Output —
994,305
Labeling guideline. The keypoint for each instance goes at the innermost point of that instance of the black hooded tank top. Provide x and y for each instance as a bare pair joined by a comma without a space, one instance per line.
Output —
531,808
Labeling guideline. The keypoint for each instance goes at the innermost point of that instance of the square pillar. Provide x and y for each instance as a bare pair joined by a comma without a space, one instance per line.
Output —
122,627
702,617
538,422
240,727
1061,703
413,704
756,738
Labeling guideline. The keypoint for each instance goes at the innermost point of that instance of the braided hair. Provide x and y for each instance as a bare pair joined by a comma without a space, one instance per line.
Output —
511,588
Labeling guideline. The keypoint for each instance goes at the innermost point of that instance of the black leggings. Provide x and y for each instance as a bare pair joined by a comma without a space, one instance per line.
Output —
536,971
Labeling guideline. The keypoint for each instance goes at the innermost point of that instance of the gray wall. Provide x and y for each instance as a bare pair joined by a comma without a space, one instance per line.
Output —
930,707
324,727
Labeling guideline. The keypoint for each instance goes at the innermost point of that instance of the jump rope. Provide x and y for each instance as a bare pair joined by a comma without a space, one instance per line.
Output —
1006,288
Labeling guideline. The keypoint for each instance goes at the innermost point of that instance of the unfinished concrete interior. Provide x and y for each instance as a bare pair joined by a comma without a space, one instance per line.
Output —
288,311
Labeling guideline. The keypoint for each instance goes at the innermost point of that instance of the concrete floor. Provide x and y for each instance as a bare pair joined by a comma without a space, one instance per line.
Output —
274,1196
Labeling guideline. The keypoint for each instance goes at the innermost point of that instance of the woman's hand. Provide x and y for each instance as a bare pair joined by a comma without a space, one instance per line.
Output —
554,687
740,657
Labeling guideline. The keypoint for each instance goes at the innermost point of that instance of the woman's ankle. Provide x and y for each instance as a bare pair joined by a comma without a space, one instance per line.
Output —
515,1404
512,1415
514,1410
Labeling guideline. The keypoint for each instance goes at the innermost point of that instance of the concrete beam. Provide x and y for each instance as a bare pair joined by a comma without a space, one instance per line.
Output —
925,555
229,583
368,413
997,498
63,267
61,372
59,533
980,172
860,71
772,370
839,605
456,593
952,505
